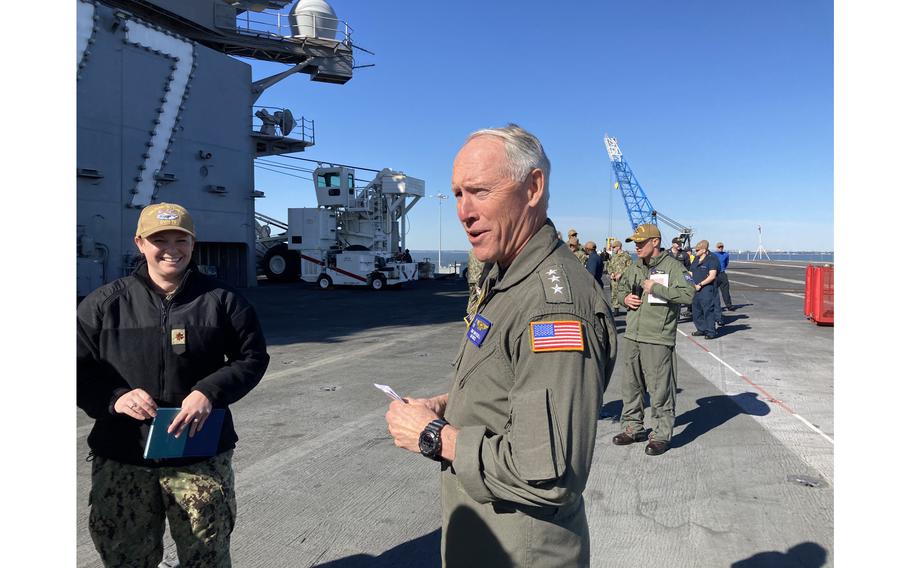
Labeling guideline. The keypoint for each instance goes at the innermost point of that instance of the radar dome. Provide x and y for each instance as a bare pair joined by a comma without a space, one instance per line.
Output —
313,18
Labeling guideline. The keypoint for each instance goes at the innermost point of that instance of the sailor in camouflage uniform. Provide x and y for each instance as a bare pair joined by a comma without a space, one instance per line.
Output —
620,260
577,250
520,421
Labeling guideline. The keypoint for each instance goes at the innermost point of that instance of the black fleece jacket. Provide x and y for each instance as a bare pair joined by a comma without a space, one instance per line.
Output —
125,341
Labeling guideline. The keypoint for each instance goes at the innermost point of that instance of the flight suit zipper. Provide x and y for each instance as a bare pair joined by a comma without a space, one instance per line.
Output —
485,295
164,313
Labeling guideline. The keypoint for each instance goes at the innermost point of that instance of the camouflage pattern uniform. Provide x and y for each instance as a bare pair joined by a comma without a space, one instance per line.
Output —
129,504
575,247
618,264
475,268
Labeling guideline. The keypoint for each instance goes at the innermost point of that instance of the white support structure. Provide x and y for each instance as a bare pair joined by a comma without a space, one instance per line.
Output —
761,249
612,148
353,236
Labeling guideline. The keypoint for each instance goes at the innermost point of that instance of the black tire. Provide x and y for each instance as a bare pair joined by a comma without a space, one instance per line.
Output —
324,282
277,266
377,282
292,257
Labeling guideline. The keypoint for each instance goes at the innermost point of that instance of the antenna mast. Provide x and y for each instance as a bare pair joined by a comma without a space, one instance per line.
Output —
760,250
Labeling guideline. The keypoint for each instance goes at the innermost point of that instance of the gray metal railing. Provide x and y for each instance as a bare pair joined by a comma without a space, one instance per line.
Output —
304,130
277,25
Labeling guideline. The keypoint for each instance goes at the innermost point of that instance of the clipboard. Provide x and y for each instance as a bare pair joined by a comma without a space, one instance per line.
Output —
660,279
204,443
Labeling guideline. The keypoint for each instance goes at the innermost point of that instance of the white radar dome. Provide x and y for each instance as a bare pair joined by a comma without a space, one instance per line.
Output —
313,18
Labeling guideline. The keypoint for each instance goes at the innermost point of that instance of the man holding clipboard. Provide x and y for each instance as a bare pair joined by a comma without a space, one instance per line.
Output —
653,288
170,341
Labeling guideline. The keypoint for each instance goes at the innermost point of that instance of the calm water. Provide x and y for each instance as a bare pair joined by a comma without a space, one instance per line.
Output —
461,257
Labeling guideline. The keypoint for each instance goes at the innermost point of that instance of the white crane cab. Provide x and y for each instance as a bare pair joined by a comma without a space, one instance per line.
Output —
356,235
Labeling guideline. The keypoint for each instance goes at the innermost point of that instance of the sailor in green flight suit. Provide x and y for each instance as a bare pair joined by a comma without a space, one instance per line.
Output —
653,289
515,434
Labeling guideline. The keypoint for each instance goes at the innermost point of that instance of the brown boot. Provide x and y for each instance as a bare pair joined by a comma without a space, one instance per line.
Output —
628,437
656,447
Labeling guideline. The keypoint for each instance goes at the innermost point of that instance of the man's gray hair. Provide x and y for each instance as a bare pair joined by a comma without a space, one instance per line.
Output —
523,150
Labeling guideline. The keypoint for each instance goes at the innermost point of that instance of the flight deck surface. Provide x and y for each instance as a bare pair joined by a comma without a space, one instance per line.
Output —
748,480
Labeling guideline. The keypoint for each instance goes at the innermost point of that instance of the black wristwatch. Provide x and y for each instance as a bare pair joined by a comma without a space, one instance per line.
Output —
430,441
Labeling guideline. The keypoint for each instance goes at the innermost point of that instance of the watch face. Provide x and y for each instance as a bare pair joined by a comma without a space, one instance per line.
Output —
428,443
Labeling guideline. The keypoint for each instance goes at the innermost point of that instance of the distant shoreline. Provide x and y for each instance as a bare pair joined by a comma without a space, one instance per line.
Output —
460,257
815,252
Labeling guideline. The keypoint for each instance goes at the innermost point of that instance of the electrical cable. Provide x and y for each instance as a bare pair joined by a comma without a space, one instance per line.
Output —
295,168
321,162
280,172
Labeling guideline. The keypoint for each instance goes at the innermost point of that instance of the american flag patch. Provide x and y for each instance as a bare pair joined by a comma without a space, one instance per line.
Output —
556,336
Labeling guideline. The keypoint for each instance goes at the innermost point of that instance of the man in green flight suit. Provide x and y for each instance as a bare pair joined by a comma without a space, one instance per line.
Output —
520,421
620,260
653,289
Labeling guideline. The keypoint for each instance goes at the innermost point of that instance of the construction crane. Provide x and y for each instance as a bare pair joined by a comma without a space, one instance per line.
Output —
638,206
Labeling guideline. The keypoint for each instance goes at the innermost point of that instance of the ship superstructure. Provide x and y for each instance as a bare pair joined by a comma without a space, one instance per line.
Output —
166,112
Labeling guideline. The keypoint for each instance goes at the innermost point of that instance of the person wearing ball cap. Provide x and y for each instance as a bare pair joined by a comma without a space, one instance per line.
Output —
619,261
653,289
164,336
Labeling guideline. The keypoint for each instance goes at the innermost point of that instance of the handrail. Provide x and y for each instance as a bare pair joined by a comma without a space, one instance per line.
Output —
276,24
304,130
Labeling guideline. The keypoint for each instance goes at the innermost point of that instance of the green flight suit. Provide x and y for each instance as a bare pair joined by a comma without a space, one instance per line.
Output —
649,346
618,264
527,420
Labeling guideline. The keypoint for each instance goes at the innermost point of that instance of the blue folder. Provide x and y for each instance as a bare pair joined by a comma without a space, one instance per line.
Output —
204,443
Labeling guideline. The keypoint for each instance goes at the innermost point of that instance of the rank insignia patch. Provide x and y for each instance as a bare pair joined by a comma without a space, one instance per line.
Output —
556,336
479,329
178,337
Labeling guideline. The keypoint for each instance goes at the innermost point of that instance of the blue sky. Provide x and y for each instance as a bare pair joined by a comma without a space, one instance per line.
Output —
724,110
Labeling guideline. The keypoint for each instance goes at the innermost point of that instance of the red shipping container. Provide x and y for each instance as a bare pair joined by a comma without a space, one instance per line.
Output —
819,302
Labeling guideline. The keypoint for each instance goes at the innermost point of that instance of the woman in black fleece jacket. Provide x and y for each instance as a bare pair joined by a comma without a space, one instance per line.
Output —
165,336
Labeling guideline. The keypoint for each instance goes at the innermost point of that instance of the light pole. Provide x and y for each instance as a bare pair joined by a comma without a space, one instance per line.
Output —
440,197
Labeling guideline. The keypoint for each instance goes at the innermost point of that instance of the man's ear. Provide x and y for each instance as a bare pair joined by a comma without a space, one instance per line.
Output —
535,187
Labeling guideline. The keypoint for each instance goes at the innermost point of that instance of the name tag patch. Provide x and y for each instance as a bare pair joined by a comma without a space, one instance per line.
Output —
556,336
479,329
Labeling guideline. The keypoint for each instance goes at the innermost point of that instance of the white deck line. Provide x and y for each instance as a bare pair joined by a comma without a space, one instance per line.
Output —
744,284
742,376
778,278
792,294
779,264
